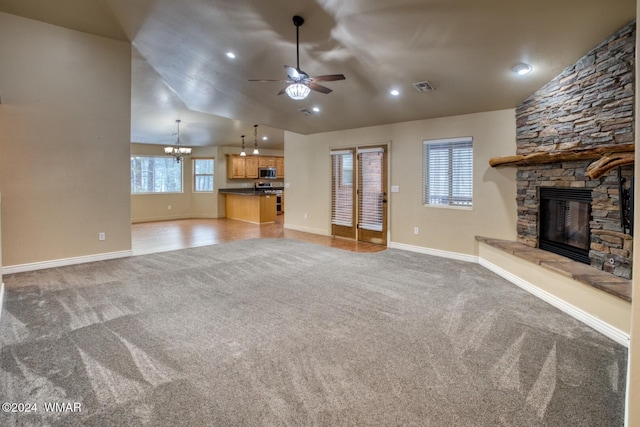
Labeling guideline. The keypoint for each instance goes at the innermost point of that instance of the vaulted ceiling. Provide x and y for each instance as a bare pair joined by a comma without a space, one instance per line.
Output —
465,48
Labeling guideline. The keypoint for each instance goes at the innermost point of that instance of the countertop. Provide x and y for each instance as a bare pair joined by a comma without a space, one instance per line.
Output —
248,191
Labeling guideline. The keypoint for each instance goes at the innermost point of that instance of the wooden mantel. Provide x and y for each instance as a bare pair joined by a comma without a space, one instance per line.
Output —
607,157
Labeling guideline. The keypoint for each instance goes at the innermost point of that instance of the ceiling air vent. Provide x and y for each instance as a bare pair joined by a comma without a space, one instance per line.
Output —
424,86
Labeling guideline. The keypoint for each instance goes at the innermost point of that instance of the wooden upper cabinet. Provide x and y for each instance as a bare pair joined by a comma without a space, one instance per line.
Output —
279,167
251,166
247,167
235,167
266,162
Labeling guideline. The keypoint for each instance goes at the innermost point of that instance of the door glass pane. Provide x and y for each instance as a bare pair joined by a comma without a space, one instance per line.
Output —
371,190
342,189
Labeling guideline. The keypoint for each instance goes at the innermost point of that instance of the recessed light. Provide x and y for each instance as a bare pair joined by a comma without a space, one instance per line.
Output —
231,55
522,69
264,138
316,109
394,92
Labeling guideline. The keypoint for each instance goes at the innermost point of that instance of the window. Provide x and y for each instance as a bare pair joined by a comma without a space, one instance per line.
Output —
342,187
155,174
448,172
203,175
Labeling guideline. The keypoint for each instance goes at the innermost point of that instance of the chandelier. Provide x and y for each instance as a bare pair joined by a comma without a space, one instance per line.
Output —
255,139
177,151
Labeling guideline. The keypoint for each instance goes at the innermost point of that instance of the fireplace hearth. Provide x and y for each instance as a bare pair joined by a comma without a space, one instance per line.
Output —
564,217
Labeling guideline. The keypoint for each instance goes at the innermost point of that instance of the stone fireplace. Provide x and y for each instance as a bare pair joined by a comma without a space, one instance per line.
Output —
590,104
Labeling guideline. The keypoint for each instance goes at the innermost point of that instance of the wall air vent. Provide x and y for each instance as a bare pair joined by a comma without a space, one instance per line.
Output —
424,86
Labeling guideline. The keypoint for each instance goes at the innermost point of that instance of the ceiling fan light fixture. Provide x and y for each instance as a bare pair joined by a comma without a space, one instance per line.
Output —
297,91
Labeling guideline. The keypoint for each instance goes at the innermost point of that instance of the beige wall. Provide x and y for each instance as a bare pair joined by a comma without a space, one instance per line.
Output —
65,118
634,349
452,230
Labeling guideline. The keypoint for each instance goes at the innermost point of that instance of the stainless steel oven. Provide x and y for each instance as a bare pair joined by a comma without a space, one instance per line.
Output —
267,188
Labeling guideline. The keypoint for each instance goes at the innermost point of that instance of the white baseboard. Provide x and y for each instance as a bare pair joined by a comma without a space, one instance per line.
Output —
434,252
20,268
604,328
307,229
159,218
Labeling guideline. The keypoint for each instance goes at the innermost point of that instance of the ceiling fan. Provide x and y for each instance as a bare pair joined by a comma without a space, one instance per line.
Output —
300,83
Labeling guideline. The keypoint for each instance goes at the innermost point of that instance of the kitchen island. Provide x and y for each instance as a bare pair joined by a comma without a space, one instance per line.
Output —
250,205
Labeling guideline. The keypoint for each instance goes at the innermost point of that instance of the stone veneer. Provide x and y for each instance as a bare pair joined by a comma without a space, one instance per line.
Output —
590,103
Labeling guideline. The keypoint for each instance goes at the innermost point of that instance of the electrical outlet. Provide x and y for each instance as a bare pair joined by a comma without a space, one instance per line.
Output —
102,236
305,216
416,231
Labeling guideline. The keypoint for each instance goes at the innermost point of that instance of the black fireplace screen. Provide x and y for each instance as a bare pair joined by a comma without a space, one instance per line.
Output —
564,222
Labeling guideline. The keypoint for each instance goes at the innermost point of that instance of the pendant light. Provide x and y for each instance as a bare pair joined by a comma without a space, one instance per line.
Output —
243,153
255,139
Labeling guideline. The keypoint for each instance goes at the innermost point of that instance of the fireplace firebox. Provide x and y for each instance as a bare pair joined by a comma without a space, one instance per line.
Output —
563,222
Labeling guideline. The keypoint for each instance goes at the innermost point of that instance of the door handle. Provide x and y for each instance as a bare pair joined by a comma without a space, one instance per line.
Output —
384,200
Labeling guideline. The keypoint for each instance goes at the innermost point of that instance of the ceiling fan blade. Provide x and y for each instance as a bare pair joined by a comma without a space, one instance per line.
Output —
327,78
319,88
292,72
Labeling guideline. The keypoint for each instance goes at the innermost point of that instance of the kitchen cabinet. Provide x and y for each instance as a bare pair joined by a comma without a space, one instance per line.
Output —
279,167
266,162
235,167
251,207
251,167
239,167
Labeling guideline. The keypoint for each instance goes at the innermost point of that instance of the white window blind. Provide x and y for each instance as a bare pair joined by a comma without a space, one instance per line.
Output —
448,172
342,188
371,192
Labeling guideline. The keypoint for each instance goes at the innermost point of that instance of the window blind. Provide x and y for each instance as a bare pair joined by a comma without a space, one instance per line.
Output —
342,188
448,172
371,193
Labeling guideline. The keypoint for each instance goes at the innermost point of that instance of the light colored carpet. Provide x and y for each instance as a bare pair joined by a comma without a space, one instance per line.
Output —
283,332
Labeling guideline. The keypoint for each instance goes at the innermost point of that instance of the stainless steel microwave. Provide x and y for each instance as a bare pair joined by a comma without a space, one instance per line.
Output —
267,173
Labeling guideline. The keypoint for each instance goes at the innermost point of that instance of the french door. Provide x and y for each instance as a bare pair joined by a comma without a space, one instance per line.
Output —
359,194
343,195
